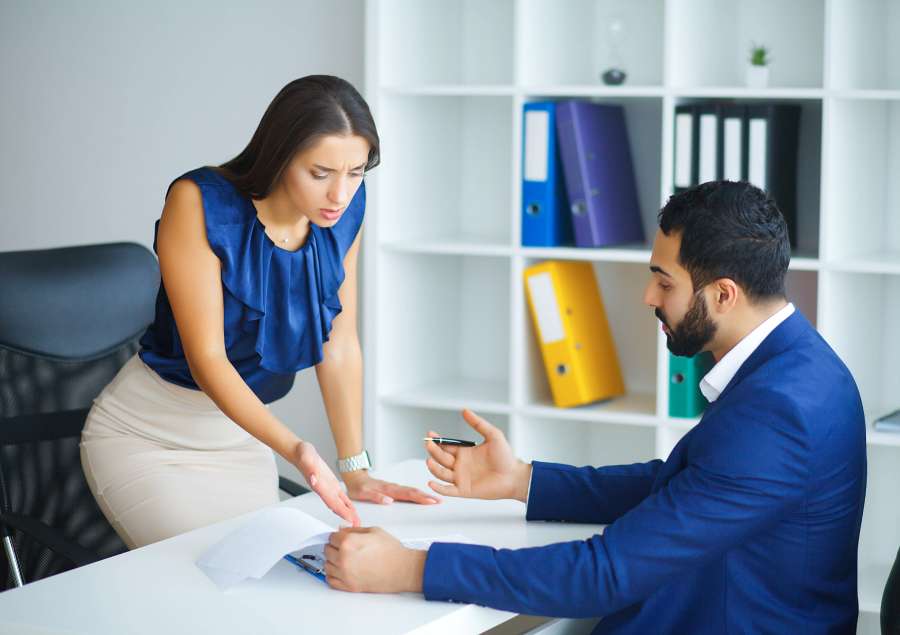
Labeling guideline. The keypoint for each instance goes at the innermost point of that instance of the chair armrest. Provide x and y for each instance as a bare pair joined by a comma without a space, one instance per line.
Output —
50,538
291,487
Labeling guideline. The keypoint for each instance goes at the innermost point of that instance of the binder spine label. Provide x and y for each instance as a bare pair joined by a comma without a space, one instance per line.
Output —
684,124
546,308
708,145
732,142
537,137
756,170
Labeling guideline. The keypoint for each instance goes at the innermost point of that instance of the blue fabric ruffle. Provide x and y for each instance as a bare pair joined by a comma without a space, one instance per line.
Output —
278,304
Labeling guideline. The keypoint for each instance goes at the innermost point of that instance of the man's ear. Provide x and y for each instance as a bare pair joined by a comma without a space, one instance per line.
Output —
725,293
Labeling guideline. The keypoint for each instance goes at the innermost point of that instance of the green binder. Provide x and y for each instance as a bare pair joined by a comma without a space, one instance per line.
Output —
685,373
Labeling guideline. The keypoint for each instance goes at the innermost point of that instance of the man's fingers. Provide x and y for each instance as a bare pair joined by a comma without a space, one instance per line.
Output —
439,470
443,488
481,426
334,581
439,454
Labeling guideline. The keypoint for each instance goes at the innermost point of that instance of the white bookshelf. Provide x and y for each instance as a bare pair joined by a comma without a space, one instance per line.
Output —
446,323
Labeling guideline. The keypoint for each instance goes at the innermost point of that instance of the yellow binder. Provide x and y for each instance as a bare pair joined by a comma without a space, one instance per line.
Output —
573,332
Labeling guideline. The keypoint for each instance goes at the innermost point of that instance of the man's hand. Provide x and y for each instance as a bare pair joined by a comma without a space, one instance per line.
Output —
370,560
489,470
362,487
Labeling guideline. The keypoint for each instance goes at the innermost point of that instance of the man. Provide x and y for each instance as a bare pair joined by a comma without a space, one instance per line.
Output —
751,524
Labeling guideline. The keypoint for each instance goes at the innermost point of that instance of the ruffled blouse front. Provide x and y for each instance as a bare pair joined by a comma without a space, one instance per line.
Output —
279,305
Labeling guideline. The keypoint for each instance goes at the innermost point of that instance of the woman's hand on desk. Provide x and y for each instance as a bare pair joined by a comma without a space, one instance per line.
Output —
488,470
362,487
370,560
323,482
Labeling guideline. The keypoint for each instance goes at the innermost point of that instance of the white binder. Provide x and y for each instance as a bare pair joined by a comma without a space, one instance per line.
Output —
709,132
684,132
733,145
756,152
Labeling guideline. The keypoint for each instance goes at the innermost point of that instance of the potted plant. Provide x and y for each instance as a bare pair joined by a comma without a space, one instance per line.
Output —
758,69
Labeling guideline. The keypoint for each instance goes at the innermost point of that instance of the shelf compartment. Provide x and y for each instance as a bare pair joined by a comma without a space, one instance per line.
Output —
438,42
403,428
885,262
861,327
624,253
582,443
447,169
863,191
451,245
632,409
634,330
454,394
880,533
809,161
643,119
573,46
710,41
863,43
443,327
802,288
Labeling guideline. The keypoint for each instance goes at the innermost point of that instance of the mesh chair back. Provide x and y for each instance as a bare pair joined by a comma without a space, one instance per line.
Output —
69,319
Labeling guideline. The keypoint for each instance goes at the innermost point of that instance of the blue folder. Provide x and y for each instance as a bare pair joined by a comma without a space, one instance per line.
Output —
599,176
546,221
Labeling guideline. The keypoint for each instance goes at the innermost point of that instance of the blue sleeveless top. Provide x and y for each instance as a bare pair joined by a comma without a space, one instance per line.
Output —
278,304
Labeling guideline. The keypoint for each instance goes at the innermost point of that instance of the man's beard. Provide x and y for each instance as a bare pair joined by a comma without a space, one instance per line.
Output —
693,333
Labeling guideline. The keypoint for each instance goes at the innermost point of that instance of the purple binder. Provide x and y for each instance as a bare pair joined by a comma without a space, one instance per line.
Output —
596,157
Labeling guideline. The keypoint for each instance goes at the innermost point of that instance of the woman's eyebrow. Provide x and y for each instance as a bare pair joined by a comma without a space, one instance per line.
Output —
325,169
660,271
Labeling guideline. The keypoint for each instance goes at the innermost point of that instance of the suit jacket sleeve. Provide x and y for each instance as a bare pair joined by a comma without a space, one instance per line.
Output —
588,494
740,478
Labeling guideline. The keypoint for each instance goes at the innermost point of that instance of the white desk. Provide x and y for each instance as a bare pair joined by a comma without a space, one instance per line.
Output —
158,589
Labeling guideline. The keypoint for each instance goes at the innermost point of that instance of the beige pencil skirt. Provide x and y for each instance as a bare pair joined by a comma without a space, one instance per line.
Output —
161,459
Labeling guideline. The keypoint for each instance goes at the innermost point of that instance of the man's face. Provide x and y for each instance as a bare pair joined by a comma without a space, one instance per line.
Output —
683,312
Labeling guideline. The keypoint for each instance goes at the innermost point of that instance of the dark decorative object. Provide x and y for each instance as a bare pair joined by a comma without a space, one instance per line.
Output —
615,75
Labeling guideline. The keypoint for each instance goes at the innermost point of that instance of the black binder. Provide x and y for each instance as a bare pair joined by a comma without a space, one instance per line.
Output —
768,138
774,169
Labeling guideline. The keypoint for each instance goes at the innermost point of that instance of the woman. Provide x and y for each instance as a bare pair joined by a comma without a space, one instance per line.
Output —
258,260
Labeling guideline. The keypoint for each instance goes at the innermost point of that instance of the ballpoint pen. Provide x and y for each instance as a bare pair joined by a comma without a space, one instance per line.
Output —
448,441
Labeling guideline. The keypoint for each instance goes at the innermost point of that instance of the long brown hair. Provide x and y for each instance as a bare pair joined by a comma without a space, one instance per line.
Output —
301,113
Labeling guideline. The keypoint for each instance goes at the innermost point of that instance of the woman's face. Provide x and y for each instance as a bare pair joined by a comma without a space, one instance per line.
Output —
321,181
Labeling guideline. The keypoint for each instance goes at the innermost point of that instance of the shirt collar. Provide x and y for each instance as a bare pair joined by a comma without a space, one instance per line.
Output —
717,379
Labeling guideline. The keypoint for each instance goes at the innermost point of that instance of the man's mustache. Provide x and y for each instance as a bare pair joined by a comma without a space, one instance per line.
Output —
661,317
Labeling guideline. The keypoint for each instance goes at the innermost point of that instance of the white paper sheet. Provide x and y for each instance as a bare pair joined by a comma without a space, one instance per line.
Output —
254,548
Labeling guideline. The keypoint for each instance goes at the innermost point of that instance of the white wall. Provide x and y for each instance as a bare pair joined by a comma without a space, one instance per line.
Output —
105,102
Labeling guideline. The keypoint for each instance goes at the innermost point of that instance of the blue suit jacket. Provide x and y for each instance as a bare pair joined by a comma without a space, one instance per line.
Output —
750,526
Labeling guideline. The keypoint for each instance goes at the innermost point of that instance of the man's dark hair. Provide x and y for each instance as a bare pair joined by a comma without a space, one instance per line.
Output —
730,230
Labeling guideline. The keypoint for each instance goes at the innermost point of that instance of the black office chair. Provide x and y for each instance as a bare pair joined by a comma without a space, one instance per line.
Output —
890,601
69,319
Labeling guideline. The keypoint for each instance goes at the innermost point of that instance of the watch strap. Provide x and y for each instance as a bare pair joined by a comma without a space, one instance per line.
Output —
353,463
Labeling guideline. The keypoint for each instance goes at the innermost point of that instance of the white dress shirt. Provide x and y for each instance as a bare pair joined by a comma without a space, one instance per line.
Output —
717,379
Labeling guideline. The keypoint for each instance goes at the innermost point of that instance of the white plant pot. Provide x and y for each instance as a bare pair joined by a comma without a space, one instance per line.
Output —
757,76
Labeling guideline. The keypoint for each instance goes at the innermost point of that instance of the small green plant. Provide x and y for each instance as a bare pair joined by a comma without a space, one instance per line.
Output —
759,55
